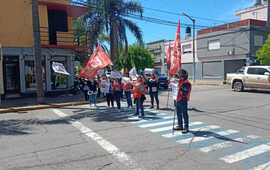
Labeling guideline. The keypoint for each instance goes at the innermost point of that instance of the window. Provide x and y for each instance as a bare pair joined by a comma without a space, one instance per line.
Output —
59,81
214,45
258,40
30,80
186,48
257,71
241,70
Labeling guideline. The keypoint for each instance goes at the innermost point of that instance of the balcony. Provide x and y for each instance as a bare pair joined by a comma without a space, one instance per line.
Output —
63,40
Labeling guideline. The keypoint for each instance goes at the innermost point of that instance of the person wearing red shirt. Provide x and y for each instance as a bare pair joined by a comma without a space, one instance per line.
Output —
127,87
183,96
139,91
117,91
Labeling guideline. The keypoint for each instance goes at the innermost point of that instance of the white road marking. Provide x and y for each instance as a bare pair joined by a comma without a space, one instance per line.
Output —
223,145
156,124
177,133
262,167
247,153
202,138
219,146
147,120
170,127
106,145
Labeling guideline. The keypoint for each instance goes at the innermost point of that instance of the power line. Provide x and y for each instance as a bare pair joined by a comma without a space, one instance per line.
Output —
179,14
149,19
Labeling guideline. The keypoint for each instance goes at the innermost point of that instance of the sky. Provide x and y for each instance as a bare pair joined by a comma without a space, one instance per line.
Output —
217,11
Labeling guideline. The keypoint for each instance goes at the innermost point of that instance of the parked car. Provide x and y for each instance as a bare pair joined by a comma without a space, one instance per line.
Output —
254,77
163,82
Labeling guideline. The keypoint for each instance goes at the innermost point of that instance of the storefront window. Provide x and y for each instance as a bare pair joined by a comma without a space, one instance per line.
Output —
30,80
59,81
29,72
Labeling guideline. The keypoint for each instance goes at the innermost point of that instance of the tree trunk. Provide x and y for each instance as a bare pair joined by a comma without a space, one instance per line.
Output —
113,42
37,51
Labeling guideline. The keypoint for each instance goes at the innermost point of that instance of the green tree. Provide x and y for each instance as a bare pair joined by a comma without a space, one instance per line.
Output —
137,56
263,54
109,17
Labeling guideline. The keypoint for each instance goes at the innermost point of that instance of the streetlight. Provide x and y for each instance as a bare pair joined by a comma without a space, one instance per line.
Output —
193,46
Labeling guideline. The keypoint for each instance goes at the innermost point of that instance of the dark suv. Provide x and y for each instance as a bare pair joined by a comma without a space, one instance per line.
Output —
163,82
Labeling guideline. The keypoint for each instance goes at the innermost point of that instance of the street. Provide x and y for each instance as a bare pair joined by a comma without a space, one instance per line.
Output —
228,131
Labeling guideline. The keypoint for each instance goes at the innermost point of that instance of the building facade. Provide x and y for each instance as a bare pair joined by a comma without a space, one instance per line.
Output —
57,42
226,48
159,49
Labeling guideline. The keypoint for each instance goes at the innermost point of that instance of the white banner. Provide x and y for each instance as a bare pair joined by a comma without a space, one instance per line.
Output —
59,68
116,74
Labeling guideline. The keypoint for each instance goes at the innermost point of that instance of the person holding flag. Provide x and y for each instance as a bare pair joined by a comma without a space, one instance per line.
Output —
184,86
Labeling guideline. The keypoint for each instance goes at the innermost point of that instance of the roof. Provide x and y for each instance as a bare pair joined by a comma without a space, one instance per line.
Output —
233,25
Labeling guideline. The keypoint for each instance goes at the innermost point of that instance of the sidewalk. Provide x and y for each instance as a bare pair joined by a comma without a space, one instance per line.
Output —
208,82
26,104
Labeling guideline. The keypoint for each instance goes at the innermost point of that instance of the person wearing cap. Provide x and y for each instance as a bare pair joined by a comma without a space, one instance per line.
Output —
183,96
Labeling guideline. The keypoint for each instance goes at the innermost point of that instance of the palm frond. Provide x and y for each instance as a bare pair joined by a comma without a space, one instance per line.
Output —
135,30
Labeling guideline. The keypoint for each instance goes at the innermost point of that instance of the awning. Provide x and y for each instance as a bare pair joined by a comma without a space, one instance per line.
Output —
72,10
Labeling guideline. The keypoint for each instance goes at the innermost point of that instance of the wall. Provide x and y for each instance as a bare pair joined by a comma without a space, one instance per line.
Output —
16,22
234,44
259,13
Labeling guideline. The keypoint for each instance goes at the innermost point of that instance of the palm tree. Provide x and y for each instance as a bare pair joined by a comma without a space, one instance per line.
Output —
110,17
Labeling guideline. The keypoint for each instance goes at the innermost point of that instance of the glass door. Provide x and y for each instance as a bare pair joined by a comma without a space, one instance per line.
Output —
11,74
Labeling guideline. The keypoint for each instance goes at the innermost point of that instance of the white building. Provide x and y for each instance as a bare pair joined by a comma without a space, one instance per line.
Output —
258,12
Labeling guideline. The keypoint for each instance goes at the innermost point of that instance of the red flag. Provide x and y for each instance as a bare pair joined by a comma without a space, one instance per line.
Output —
176,58
98,60
168,54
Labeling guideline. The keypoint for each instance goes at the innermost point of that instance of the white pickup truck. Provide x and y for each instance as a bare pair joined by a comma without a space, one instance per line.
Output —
254,77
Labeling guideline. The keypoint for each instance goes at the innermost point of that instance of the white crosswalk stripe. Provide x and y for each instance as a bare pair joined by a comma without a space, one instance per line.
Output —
223,145
199,139
220,146
205,128
156,124
257,150
162,129
262,167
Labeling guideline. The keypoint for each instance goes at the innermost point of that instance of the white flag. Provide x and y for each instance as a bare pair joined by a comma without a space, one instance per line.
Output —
59,68
133,73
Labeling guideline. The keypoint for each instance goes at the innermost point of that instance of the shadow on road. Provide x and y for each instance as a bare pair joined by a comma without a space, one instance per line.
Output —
208,134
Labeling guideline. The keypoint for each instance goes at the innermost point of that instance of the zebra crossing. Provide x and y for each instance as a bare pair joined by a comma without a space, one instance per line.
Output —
228,145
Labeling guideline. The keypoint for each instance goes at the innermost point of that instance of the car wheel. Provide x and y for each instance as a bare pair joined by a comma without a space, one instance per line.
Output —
238,86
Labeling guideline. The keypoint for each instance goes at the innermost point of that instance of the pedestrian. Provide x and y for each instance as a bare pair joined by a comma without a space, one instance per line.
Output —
108,92
117,91
85,90
139,90
153,90
127,87
183,96
93,92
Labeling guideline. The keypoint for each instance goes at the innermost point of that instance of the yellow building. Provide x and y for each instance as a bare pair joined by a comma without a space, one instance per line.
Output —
16,38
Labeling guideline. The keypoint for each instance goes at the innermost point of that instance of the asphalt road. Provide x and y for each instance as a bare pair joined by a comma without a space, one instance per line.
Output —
228,131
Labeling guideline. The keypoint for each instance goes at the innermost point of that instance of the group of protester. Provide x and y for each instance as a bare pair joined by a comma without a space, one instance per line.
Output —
114,89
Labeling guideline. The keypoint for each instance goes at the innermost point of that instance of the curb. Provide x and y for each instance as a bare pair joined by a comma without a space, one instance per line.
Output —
38,107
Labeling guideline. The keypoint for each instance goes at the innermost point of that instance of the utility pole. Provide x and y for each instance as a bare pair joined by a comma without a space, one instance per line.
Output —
193,45
37,52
